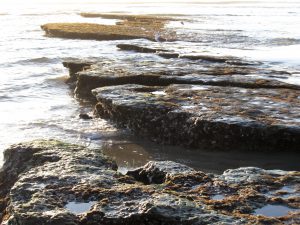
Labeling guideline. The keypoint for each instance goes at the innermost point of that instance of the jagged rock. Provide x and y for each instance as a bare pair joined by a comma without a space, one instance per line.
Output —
157,172
206,116
76,66
57,183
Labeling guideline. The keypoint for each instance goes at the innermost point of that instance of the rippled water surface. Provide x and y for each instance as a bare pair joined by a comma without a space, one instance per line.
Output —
35,102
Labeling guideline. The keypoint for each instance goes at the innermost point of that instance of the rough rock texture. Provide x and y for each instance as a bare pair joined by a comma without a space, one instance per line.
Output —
131,27
206,116
50,178
196,103
153,73
76,66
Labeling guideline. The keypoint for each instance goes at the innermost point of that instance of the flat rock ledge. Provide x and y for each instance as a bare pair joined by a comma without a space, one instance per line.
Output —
202,105
109,72
206,116
130,27
54,183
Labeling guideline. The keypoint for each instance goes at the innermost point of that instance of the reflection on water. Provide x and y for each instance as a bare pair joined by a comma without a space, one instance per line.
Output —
218,197
79,207
132,153
127,155
274,210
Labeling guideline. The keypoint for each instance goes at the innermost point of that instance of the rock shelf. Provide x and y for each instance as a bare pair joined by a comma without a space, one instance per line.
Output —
130,27
196,100
200,106
51,179
151,73
202,116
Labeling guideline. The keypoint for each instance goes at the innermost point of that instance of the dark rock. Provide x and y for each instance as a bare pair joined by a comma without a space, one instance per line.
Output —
173,55
85,116
153,73
157,172
76,66
56,177
216,59
206,116
168,55
136,48
39,177
256,109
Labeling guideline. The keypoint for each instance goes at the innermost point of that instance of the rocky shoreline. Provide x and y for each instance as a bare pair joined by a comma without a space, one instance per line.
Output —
51,182
221,106
192,99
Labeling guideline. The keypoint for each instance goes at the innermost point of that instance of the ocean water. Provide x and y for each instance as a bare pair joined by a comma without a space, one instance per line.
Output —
36,103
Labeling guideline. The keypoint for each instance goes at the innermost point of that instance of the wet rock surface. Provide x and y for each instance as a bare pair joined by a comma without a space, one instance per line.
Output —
206,116
59,183
228,104
76,66
153,73
136,48
237,103
164,53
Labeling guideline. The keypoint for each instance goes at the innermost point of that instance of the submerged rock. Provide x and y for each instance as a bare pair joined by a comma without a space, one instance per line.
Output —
58,183
136,48
206,116
173,55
